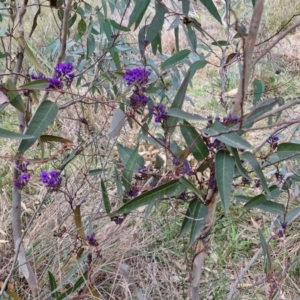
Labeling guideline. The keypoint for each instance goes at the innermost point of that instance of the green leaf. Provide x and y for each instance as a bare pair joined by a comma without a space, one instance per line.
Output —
238,163
178,102
192,38
70,273
190,186
156,44
253,2
209,4
188,220
40,84
118,182
199,215
125,153
116,58
170,189
72,20
259,110
91,45
231,139
175,58
81,27
157,22
159,162
76,286
117,123
285,151
118,26
186,6
54,138
129,168
176,112
105,198
194,140
43,116
53,285
220,43
259,89
291,215
224,174
13,135
14,97
96,172
197,65
255,165
138,13
266,252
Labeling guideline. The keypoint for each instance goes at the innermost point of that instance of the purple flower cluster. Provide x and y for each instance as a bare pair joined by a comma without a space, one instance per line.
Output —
245,181
159,111
182,167
133,192
212,182
63,72
91,240
22,180
137,76
51,179
216,144
230,119
22,166
257,183
273,141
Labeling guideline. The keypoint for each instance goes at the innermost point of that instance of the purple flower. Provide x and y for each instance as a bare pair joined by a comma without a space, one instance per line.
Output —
64,68
137,76
22,180
39,76
138,100
216,144
133,192
273,141
230,119
22,166
55,83
245,181
257,183
212,182
91,240
183,167
159,111
51,179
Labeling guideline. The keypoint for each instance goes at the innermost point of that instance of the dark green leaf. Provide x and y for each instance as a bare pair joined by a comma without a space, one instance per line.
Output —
253,2
96,172
72,21
196,66
156,44
43,116
129,168
255,165
81,27
105,198
199,215
125,153
157,22
238,163
14,97
159,162
209,4
13,135
175,58
266,252
170,189
259,89
224,175
178,102
220,43
53,285
191,35
118,26
231,139
188,220
176,112
116,58
118,182
186,6
190,186
91,45
285,151
40,84
138,13
194,141
176,33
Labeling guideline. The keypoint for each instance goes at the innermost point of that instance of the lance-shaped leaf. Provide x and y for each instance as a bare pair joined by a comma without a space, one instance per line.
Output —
43,116
129,168
232,139
138,13
13,135
79,224
224,169
157,22
238,163
189,215
96,172
105,197
199,215
266,252
170,189
178,102
117,123
176,112
14,97
40,84
259,89
285,151
177,57
255,165
209,4
159,162
190,186
53,138
118,182
194,140
125,153
53,285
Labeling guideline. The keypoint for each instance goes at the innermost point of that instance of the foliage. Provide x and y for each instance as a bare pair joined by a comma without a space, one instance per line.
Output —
112,73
